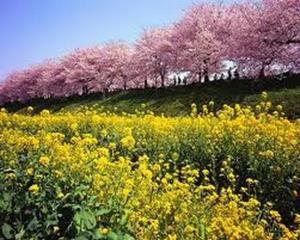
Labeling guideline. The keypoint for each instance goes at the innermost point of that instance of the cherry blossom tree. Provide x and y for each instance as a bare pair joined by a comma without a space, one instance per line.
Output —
26,84
11,88
258,36
264,32
115,62
196,38
53,84
82,70
154,54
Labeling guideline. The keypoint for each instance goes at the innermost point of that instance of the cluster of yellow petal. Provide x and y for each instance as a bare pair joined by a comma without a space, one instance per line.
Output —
164,171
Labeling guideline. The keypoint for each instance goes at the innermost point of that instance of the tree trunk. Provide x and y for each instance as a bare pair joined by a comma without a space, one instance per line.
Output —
262,72
85,90
199,76
105,92
162,77
125,84
206,78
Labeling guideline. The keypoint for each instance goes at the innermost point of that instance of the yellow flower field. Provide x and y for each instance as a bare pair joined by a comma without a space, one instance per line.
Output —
231,174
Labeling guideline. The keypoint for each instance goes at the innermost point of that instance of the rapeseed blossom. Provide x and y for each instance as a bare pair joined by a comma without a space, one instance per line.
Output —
34,188
210,175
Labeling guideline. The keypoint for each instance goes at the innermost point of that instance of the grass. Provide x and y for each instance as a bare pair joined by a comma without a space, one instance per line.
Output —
176,101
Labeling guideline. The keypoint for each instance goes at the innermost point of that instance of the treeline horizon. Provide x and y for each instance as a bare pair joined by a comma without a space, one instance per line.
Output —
247,40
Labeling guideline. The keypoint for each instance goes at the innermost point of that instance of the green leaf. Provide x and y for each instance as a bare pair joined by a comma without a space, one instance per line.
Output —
8,231
123,221
103,211
33,224
203,232
113,236
20,235
128,237
85,219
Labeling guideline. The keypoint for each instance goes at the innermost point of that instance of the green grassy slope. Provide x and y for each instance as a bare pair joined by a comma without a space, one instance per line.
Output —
174,101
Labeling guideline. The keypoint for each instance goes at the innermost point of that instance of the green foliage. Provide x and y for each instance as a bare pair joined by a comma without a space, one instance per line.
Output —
46,213
173,101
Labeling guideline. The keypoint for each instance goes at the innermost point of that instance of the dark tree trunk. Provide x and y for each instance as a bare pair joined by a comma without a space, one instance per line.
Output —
262,72
179,80
105,92
205,72
85,90
206,78
229,74
162,77
199,76
156,83
174,80
125,84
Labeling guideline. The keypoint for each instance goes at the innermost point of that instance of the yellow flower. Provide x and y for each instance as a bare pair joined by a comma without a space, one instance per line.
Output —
103,152
264,95
10,176
44,161
267,154
112,146
231,176
175,156
205,172
190,179
74,126
60,195
128,142
279,108
104,133
275,215
171,237
103,231
30,109
55,229
58,174
189,229
45,113
250,181
34,188
29,171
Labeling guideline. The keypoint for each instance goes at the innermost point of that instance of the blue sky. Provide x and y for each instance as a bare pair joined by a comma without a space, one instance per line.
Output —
33,30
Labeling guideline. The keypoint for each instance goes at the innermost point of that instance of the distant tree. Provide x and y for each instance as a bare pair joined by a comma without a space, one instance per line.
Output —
26,84
116,64
259,36
154,54
265,33
196,37
82,71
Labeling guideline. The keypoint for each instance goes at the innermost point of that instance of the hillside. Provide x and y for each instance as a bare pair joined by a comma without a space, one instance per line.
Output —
176,101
